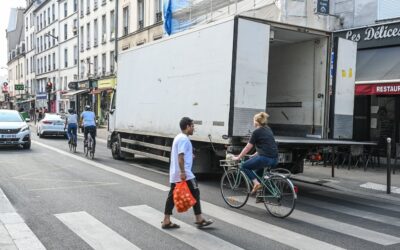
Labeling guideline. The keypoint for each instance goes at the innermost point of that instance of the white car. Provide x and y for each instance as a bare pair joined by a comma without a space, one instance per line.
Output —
51,125
14,130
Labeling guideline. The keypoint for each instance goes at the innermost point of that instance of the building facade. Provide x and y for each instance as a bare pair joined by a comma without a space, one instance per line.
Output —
16,92
375,26
68,52
97,46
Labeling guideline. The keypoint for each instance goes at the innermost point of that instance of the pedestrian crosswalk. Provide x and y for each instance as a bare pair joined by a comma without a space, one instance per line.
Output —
101,236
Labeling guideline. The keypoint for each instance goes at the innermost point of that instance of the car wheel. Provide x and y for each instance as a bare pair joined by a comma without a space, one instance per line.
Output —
27,145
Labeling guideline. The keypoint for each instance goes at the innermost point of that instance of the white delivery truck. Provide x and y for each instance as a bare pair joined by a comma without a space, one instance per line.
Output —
223,73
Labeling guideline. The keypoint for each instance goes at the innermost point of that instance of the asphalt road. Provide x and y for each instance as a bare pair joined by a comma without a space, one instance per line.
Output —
70,202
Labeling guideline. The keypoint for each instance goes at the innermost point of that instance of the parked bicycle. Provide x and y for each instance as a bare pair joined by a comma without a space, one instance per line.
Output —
278,192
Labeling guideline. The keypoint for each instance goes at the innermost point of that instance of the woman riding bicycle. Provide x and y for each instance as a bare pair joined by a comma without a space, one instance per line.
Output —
71,123
266,150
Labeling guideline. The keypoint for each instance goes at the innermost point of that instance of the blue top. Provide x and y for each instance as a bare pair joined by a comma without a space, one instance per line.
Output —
89,118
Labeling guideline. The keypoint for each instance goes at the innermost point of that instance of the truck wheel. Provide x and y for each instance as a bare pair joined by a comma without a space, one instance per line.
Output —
116,148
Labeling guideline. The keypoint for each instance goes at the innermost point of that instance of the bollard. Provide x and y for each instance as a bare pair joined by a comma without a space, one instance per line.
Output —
388,181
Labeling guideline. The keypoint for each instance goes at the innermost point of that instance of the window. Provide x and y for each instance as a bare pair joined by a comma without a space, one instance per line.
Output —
112,60
75,5
95,32
66,58
44,17
65,31
82,68
66,9
75,27
388,9
103,63
125,19
38,43
81,8
140,14
48,16
37,22
112,24
87,6
54,61
65,83
95,4
45,63
53,32
82,36
88,36
27,66
158,11
53,12
103,29
95,65
49,58
75,55
46,38
26,23
41,21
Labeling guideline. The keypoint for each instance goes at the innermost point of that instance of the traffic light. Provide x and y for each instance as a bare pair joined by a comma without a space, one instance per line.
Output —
49,87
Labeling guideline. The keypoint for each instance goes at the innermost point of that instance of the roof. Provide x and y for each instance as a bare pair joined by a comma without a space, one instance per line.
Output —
12,20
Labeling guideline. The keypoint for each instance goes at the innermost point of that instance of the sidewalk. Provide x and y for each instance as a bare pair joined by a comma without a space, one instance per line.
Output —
369,183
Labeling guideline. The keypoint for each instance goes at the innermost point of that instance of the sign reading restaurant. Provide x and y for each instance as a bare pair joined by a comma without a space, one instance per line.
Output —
373,36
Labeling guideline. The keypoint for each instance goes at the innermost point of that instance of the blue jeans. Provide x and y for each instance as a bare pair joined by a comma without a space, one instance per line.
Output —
72,131
258,162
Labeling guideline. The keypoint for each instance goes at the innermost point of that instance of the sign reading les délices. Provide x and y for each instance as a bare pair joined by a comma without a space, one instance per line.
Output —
323,6
374,36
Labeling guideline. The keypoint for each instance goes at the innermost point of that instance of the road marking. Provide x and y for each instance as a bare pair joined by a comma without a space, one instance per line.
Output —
340,227
354,212
149,169
108,169
187,233
18,232
266,230
71,187
380,187
93,232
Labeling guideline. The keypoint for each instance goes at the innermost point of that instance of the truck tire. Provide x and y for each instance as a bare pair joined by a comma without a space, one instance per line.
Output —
116,148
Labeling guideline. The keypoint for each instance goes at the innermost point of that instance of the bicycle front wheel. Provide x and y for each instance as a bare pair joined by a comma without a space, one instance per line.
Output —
279,196
235,188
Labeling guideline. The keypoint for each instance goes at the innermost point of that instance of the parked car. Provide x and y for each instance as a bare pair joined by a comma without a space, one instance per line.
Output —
51,125
14,130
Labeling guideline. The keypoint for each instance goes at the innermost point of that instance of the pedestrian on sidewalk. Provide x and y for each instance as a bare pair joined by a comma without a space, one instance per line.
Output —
181,170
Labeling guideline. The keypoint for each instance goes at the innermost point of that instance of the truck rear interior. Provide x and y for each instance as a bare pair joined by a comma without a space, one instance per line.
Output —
297,80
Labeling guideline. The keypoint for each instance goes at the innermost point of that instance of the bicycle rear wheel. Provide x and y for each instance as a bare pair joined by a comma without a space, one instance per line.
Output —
235,188
70,144
279,196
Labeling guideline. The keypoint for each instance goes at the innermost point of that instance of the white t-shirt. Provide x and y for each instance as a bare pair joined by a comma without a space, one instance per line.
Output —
180,145
72,119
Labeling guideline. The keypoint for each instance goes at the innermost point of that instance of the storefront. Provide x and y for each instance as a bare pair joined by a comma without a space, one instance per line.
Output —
377,89
103,93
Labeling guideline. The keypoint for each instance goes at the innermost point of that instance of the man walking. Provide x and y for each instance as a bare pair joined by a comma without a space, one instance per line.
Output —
181,170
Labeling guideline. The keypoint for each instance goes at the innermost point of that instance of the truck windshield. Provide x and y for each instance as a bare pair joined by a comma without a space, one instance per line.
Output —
10,117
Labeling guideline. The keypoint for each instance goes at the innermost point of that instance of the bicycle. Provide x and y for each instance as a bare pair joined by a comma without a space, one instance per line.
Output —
278,192
89,146
72,144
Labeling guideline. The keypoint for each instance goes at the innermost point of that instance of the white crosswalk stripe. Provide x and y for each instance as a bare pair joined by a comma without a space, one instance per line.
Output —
93,232
353,212
187,233
266,230
340,227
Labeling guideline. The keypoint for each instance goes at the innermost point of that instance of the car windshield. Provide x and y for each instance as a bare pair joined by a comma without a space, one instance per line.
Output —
10,117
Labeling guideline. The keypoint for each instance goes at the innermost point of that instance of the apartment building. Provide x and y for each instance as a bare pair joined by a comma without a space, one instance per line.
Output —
30,44
47,50
97,39
16,93
68,51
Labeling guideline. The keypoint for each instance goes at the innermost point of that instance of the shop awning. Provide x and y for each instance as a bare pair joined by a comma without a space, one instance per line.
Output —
378,64
378,89
76,92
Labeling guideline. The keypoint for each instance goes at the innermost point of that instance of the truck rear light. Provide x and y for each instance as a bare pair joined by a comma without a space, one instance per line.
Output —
296,189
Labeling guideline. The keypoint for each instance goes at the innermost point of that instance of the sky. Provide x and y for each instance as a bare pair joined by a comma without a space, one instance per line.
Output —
6,5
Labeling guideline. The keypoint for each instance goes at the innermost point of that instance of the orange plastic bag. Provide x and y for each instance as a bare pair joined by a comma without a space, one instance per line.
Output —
183,198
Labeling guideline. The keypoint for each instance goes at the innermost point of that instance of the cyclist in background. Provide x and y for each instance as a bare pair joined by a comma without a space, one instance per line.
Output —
71,124
88,119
